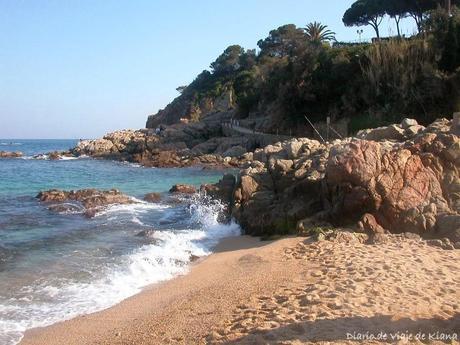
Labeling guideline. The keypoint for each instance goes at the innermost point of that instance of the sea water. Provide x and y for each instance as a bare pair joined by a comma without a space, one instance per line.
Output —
57,266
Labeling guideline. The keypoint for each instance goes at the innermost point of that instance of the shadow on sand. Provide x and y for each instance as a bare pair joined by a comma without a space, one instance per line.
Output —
344,329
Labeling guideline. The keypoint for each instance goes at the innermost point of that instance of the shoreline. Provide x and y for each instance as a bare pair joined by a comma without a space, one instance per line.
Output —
80,326
290,291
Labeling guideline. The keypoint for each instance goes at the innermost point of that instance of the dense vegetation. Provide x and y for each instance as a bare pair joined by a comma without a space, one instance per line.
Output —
302,71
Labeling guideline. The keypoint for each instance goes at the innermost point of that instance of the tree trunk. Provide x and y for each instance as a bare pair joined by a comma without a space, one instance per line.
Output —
448,6
418,20
397,20
375,23
376,28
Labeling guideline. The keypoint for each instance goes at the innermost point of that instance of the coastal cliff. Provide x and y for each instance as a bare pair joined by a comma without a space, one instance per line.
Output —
189,107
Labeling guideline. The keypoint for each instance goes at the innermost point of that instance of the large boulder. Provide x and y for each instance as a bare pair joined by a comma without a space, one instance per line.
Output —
393,132
398,132
404,188
293,148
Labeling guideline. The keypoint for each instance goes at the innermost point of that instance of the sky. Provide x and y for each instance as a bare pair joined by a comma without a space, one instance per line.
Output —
82,68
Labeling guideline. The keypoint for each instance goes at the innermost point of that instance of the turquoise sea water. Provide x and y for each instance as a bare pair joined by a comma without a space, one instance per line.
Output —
56,266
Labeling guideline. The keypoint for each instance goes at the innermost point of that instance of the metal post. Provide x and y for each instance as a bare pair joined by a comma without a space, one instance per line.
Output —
449,7
328,123
314,128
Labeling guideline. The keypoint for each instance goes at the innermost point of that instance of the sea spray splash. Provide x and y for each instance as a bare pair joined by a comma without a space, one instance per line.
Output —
106,277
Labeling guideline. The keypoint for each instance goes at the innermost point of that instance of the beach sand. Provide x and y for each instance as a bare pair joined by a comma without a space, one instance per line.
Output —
290,291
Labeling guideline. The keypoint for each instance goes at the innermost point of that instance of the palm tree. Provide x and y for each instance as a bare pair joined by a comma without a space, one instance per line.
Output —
317,32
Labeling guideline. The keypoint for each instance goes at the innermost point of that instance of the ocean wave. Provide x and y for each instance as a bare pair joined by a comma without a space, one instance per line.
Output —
130,164
64,158
10,144
138,206
45,157
166,257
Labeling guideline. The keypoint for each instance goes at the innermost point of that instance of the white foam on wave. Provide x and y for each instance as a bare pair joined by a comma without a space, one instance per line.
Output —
166,258
45,157
137,207
72,158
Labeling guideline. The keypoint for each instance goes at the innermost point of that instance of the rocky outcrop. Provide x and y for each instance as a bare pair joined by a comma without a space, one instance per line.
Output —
6,154
407,183
87,201
178,145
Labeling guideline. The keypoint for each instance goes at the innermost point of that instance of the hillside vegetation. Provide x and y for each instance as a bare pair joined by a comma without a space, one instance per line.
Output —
304,71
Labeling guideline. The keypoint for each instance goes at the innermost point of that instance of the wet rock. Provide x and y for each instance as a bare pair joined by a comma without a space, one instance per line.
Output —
6,154
90,201
65,208
146,233
223,190
53,195
90,213
183,189
152,197
54,155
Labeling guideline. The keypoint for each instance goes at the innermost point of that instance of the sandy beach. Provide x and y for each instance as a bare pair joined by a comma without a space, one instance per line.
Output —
290,291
